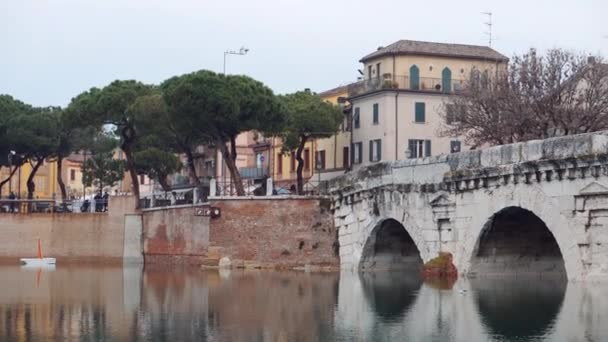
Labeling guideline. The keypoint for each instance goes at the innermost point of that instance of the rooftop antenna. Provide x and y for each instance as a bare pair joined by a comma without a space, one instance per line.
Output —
489,25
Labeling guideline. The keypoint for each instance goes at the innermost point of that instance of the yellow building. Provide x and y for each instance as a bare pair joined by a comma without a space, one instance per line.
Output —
45,181
333,153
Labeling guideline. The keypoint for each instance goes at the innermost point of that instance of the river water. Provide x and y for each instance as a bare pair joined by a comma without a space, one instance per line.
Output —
78,303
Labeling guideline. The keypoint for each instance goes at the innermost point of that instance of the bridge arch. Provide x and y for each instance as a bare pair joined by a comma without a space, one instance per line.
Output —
516,241
390,246
537,209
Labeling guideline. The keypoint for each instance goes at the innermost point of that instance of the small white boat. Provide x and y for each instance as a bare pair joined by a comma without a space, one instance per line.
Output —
39,261
35,262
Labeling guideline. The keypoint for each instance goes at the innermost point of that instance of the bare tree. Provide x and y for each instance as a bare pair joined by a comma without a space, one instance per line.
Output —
536,97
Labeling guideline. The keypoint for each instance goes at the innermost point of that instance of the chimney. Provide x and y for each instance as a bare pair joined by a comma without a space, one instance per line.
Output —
380,48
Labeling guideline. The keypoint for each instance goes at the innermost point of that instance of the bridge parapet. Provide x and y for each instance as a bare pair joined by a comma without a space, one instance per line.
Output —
569,157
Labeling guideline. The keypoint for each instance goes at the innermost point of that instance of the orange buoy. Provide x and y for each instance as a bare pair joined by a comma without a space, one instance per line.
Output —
39,250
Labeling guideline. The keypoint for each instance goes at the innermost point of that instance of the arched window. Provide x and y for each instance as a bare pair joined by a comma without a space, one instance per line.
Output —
414,77
446,80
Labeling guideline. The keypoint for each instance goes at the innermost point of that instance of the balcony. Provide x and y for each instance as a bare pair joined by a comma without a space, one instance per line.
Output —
253,172
424,84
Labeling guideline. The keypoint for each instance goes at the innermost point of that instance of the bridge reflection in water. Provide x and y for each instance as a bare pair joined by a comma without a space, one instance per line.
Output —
108,303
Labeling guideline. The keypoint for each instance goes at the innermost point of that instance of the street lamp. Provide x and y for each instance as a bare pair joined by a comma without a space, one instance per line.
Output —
242,51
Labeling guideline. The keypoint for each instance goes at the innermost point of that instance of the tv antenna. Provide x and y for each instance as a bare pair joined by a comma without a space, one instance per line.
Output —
489,27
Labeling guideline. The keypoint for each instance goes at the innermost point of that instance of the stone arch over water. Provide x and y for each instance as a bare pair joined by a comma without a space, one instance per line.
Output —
389,246
516,241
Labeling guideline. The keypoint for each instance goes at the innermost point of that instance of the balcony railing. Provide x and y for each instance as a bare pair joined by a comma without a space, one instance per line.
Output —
426,84
253,172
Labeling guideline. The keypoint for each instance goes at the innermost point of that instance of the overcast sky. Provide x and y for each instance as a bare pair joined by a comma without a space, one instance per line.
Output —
51,50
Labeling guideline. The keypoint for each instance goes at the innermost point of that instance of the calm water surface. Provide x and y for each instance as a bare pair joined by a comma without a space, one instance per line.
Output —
130,304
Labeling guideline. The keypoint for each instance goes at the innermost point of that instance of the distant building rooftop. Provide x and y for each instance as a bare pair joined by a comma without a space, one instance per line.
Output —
413,47
335,91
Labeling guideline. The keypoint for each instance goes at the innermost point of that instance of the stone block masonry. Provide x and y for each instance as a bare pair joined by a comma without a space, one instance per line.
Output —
274,232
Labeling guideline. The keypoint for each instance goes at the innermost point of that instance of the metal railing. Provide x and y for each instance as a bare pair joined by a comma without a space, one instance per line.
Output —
253,172
24,206
427,84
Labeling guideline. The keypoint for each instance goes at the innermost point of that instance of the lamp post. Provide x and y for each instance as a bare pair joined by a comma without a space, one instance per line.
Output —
242,51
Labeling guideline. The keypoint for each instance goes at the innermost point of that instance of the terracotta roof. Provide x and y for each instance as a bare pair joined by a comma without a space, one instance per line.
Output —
413,47
335,91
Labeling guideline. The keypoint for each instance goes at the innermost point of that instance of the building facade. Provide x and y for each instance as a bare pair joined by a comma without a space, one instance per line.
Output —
332,155
396,108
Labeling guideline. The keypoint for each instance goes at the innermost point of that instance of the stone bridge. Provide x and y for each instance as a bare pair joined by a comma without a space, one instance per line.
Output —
534,207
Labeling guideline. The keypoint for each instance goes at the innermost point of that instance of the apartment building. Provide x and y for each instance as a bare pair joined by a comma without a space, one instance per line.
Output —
396,107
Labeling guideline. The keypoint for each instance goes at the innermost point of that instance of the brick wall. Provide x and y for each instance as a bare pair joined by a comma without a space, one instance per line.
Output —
274,232
175,235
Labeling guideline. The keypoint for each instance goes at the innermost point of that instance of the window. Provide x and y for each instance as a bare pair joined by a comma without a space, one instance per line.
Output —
375,150
72,174
259,160
357,153
376,114
279,163
420,112
369,72
320,160
356,118
414,78
455,146
306,159
378,74
419,148
293,161
142,179
345,157
446,80
451,114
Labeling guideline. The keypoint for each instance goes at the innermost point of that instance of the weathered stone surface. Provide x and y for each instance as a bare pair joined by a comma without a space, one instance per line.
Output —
445,202
269,232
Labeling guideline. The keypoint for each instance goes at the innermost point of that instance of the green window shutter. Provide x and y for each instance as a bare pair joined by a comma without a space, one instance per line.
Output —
420,111
446,80
412,146
356,117
376,114
360,152
352,153
414,78
427,148
379,149
371,150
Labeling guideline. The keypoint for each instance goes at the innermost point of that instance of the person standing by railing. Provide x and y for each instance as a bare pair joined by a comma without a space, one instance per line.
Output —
12,197
105,198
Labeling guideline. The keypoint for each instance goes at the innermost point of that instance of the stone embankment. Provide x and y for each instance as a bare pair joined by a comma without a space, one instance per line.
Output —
260,232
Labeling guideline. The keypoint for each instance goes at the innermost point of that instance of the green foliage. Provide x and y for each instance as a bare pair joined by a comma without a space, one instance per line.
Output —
10,108
221,107
308,117
157,164
35,135
101,168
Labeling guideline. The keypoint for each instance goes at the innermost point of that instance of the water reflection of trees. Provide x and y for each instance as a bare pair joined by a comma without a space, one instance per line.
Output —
390,294
518,308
